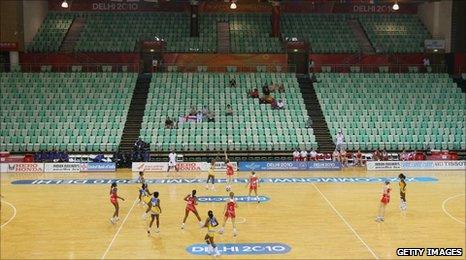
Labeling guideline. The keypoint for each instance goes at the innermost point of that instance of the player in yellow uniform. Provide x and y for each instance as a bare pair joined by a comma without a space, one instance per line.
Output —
155,210
211,176
210,223
402,184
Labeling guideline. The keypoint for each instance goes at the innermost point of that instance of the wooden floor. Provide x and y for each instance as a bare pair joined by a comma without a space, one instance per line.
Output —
320,220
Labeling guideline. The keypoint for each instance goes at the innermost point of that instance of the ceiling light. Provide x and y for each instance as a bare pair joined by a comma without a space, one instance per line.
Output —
233,5
396,7
64,4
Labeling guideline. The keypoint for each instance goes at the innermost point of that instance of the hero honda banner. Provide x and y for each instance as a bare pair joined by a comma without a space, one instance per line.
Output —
289,165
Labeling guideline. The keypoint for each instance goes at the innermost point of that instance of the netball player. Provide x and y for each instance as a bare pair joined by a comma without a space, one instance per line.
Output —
155,211
253,183
402,184
210,223
144,194
230,209
384,201
114,200
141,178
211,176
230,172
191,202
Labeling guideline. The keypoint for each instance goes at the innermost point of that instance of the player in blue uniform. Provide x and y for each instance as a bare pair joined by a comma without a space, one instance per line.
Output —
155,211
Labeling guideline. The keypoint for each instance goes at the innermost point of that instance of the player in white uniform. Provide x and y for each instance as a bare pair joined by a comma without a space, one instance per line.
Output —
172,161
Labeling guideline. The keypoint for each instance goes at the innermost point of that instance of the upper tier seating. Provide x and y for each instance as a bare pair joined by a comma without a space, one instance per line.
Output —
395,33
51,33
64,111
394,111
253,126
326,33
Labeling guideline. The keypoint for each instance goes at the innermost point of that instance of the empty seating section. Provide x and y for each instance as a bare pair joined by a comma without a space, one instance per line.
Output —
253,126
326,33
65,111
51,33
395,33
394,111
120,32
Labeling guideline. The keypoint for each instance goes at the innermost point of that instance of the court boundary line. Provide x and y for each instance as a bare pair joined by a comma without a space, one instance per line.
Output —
346,222
447,213
119,229
14,214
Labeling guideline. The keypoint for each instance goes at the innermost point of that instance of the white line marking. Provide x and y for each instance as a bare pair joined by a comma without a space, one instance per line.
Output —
346,222
14,213
118,231
446,212
240,220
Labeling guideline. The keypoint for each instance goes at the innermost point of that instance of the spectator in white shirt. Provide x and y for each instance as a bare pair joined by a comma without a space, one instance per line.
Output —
340,140
303,155
313,155
280,104
199,117
296,155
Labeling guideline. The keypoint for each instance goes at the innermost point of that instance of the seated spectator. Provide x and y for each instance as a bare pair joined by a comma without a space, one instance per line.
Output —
376,156
266,90
303,155
274,104
266,99
309,122
199,117
312,155
281,88
192,112
336,156
211,117
358,161
168,123
229,110
272,87
343,157
233,83
384,155
404,156
280,104
296,155
254,93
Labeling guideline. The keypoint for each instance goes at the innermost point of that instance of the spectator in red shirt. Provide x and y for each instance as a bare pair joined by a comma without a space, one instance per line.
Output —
336,156
254,93
343,158
376,155
404,156
384,155
358,161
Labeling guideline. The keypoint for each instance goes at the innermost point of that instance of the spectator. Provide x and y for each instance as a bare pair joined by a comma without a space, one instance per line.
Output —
138,144
309,122
205,111
313,155
266,90
168,123
211,117
281,88
303,155
296,155
384,155
404,156
311,65
229,110
280,104
272,87
254,93
266,99
340,140
376,155
343,157
192,112
199,117
426,63
233,83
274,104
358,161
336,156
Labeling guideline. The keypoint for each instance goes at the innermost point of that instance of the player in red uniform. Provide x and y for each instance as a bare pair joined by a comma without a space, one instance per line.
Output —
191,202
230,172
253,183
384,201
114,200
230,212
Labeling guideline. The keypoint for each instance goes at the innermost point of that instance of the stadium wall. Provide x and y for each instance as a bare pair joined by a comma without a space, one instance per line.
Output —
34,13
436,16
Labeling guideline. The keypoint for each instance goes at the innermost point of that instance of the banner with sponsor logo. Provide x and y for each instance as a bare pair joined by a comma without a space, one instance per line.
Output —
149,167
62,167
24,167
222,166
416,165
97,167
289,165
182,166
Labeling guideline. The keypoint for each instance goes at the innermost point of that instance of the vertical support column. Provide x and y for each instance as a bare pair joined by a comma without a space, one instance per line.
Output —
14,60
276,19
194,19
